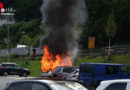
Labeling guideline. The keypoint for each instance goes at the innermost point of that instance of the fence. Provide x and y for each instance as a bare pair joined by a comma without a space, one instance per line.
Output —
116,50
20,51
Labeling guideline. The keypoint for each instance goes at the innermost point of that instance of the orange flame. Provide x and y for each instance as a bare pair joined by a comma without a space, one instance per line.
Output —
49,62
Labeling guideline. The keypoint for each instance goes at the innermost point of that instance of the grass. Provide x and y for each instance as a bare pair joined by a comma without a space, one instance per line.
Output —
35,66
121,59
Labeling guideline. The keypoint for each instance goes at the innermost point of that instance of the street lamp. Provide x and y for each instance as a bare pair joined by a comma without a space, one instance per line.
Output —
23,32
10,20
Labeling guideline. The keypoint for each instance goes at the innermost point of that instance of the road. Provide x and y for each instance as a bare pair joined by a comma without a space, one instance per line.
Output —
4,80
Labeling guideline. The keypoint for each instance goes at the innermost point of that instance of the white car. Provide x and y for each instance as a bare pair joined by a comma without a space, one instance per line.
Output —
73,75
119,84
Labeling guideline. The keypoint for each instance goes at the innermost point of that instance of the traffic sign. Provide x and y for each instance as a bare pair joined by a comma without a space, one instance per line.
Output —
91,42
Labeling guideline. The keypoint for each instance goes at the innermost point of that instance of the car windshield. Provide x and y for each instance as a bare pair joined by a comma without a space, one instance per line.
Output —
68,86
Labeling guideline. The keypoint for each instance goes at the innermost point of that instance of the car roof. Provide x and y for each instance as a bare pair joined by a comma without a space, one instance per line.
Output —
116,81
44,81
66,67
103,63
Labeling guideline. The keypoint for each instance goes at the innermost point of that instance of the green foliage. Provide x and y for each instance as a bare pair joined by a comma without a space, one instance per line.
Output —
13,56
26,40
111,26
98,11
32,31
36,40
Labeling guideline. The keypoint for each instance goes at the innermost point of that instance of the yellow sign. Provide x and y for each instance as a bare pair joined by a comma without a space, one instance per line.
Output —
91,42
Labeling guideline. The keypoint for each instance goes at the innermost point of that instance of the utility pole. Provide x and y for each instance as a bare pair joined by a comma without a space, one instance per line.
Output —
10,20
8,52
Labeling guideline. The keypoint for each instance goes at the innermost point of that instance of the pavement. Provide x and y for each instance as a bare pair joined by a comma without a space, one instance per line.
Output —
4,80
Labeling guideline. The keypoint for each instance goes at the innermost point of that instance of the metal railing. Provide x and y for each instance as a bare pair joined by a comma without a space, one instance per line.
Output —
116,50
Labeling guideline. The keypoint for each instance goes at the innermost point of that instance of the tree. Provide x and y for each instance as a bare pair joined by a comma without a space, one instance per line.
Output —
26,40
110,29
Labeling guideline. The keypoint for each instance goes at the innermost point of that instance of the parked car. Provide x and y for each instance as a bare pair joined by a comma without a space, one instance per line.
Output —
45,85
120,84
8,68
94,73
63,72
73,75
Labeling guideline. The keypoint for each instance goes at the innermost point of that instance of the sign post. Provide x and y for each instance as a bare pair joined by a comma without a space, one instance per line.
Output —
91,43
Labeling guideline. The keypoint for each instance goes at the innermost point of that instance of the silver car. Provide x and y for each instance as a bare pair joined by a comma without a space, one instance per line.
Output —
45,85
63,72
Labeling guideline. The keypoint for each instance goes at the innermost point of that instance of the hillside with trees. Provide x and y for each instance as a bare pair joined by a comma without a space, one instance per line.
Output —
98,12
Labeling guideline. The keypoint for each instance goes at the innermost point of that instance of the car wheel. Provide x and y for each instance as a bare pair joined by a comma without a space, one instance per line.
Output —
5,73
24,74
20,75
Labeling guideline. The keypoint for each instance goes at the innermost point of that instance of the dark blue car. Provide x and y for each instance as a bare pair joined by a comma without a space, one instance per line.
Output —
94,73
8,68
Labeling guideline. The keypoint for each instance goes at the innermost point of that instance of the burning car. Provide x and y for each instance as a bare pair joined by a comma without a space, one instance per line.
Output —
63,72
50,63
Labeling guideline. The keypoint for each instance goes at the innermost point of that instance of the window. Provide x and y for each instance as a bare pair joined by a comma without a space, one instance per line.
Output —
38,86
125,70
57,70
9,65
117,86
19,86
67,69
85,68
16,66
112,70
75,71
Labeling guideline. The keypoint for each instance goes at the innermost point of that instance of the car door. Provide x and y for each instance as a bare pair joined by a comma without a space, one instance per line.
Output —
39,86
16,69
9,68
112,72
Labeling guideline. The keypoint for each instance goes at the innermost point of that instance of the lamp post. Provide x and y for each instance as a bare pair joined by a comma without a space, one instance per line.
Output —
10,20
23,32
8,43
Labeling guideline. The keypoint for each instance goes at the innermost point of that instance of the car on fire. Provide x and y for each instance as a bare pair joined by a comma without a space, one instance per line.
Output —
40,84
7,68
63,72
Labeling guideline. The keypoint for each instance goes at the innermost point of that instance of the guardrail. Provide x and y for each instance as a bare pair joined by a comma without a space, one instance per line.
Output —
116,50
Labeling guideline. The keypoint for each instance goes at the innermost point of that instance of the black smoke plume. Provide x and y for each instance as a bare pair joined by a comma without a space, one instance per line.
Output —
61,18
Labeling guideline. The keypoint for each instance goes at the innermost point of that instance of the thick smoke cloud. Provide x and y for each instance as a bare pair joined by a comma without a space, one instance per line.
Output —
61,18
